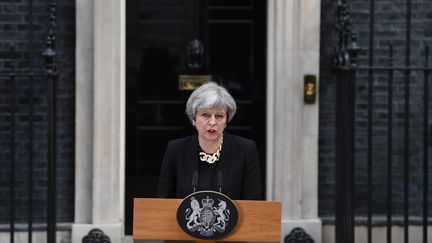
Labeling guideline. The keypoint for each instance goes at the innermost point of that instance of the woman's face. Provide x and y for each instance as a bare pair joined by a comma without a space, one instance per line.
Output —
210,123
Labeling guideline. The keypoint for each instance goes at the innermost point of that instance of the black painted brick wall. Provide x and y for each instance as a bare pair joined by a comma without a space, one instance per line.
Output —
390,28
14,29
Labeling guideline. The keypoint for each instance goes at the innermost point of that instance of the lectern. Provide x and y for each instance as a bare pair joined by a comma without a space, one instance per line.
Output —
155,219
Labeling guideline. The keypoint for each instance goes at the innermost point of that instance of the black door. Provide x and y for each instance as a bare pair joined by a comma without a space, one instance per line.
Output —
229,37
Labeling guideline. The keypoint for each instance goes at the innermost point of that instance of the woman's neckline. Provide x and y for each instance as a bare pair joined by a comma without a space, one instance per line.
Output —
210,148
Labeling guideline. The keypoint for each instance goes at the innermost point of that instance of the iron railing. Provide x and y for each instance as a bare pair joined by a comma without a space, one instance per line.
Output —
350,112
32,76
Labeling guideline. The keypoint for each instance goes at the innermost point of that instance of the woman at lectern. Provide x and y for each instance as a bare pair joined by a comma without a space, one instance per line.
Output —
212,159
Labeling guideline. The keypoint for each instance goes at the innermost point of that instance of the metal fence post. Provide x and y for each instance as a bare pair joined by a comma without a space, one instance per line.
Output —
345,62
51,69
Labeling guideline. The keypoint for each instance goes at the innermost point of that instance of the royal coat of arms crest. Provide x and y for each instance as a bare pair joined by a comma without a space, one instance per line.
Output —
207,215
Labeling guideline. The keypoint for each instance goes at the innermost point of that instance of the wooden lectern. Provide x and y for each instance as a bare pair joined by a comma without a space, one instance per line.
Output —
155,219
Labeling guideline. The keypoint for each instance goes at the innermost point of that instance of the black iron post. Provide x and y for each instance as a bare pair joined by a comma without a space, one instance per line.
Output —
31,123
406,189
390,146
345,62
51,69
426,142
12,146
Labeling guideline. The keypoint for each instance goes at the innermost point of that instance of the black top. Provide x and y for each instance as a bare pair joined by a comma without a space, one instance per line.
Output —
238,163
206,175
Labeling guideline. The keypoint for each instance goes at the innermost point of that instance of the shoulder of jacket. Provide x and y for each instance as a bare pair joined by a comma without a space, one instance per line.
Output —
242,141
179,142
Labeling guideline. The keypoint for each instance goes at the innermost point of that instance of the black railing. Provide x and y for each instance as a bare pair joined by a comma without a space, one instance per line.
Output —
29,77
365,124
51,68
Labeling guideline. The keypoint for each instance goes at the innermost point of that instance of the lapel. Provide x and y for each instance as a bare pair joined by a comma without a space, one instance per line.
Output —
223,163
191,160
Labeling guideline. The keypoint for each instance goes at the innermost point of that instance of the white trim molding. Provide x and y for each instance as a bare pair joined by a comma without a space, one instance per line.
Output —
100,119
292,126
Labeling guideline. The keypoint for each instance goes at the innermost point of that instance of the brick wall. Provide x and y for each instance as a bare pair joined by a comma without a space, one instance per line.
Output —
14,29
390,28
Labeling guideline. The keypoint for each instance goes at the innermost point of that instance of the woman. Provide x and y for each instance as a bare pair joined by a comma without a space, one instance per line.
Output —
221,160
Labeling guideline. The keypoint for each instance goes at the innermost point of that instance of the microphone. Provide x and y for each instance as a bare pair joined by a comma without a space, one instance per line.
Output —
195,180
220,181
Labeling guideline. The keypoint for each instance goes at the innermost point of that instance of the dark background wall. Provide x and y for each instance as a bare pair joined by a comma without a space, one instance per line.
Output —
14,29
390,27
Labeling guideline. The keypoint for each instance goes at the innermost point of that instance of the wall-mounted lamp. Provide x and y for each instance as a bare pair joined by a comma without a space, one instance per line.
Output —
310,89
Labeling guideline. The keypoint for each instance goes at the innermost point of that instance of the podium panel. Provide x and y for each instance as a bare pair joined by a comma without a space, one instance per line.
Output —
155,219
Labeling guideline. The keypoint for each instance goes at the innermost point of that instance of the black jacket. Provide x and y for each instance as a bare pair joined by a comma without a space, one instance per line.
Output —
238,163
